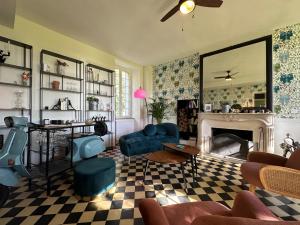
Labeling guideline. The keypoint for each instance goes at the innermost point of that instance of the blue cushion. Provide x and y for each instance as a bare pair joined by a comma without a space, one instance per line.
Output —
150,130
161,130
94,176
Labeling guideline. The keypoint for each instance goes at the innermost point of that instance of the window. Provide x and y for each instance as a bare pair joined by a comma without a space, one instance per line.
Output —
123,93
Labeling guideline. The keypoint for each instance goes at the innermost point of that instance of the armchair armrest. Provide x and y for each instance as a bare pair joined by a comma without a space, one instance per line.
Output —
281,180
152,213
217,220
267,158
247,205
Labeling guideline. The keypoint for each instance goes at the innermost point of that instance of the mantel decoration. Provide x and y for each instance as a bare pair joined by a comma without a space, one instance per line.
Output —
61,67
93,103
159,108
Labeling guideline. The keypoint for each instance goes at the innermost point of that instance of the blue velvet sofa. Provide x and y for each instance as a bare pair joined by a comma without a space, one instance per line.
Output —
149,139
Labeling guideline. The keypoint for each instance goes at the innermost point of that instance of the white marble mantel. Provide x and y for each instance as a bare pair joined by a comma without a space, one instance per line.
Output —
261,124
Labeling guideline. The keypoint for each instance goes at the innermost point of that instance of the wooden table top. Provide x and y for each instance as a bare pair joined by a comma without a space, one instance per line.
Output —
188,149
166,157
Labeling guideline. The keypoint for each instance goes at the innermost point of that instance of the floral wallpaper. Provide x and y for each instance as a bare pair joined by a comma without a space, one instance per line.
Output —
286,71
242,95
177,80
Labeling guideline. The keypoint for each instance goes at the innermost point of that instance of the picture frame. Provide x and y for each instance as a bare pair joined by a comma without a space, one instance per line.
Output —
207,107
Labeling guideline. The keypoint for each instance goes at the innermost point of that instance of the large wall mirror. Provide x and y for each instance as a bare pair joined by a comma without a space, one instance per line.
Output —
237,75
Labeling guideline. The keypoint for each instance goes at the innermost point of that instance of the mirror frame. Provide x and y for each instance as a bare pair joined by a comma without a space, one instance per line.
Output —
269,67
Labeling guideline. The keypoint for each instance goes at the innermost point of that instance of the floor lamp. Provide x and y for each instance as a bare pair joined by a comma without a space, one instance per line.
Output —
140,93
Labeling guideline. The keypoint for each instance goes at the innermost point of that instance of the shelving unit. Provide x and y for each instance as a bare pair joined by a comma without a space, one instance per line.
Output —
187,118
19,61
99,82
74,74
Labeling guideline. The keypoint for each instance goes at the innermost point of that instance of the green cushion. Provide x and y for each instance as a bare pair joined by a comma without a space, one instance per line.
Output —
94,176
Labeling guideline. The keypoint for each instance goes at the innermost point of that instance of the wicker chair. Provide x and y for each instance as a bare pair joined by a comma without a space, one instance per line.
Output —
273,173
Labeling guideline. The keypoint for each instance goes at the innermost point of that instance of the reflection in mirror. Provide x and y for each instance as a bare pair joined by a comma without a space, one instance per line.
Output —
236,77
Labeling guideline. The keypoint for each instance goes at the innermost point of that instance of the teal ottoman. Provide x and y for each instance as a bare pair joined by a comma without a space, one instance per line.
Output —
94,176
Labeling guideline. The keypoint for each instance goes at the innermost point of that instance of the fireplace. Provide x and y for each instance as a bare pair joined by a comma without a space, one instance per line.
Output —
231,142
260,124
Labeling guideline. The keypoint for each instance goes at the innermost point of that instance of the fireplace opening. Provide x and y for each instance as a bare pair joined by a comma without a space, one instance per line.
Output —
233,143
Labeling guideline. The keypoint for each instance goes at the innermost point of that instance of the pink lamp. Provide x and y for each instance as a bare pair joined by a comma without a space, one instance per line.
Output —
141,94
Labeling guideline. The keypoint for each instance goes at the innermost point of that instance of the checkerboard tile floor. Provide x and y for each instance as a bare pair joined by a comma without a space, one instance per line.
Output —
218,180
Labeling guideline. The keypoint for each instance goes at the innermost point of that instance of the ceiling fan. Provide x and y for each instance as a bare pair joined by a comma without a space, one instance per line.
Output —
228,77
187,6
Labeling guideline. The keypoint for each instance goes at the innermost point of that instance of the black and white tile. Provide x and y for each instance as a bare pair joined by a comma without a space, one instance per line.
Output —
217,180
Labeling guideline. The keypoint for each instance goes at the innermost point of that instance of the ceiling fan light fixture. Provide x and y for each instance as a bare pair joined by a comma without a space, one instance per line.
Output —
228,78
187,6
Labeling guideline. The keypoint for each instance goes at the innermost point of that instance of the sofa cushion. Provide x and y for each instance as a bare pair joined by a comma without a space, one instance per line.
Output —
294,161
193,210
161,130
150,130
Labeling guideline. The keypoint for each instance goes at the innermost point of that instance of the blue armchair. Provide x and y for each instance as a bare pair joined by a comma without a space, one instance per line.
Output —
149,139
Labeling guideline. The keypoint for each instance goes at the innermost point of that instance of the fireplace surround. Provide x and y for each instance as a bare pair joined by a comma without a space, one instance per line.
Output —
261,125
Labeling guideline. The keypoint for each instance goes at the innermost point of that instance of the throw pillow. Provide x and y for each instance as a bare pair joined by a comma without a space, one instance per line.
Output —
150,130
161,130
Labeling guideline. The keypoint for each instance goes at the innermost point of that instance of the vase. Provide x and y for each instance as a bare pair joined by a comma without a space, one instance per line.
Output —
225,108
61,69
93,106
158,120
19,99
55,85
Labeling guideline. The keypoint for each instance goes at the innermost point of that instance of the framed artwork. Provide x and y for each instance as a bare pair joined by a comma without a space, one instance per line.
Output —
207,108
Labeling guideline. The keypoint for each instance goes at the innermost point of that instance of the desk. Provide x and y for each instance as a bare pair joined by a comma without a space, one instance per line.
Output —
53,167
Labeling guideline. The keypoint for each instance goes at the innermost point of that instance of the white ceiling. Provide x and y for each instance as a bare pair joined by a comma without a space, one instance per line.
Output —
131,29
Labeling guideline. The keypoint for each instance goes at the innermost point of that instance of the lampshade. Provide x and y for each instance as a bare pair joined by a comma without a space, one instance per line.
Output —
140,93
187,6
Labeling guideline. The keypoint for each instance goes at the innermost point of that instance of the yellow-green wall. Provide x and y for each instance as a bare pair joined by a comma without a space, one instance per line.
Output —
41,37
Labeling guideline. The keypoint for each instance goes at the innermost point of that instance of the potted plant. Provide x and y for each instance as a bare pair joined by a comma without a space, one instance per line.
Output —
93,102
236,108
159,109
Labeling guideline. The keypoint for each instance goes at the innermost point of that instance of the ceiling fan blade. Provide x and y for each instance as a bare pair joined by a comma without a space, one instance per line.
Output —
234,74
209,3
171,13
219,77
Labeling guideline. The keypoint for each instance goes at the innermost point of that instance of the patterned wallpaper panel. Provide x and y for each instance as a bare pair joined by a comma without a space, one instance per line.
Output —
286,71
178,79
242,95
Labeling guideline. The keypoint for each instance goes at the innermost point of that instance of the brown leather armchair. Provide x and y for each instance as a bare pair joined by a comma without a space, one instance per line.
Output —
273,173
247,210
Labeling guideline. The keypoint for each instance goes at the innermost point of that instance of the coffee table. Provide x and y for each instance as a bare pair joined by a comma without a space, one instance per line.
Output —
167,157
189,150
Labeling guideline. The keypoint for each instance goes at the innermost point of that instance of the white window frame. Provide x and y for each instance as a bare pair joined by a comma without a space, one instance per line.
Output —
122,69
